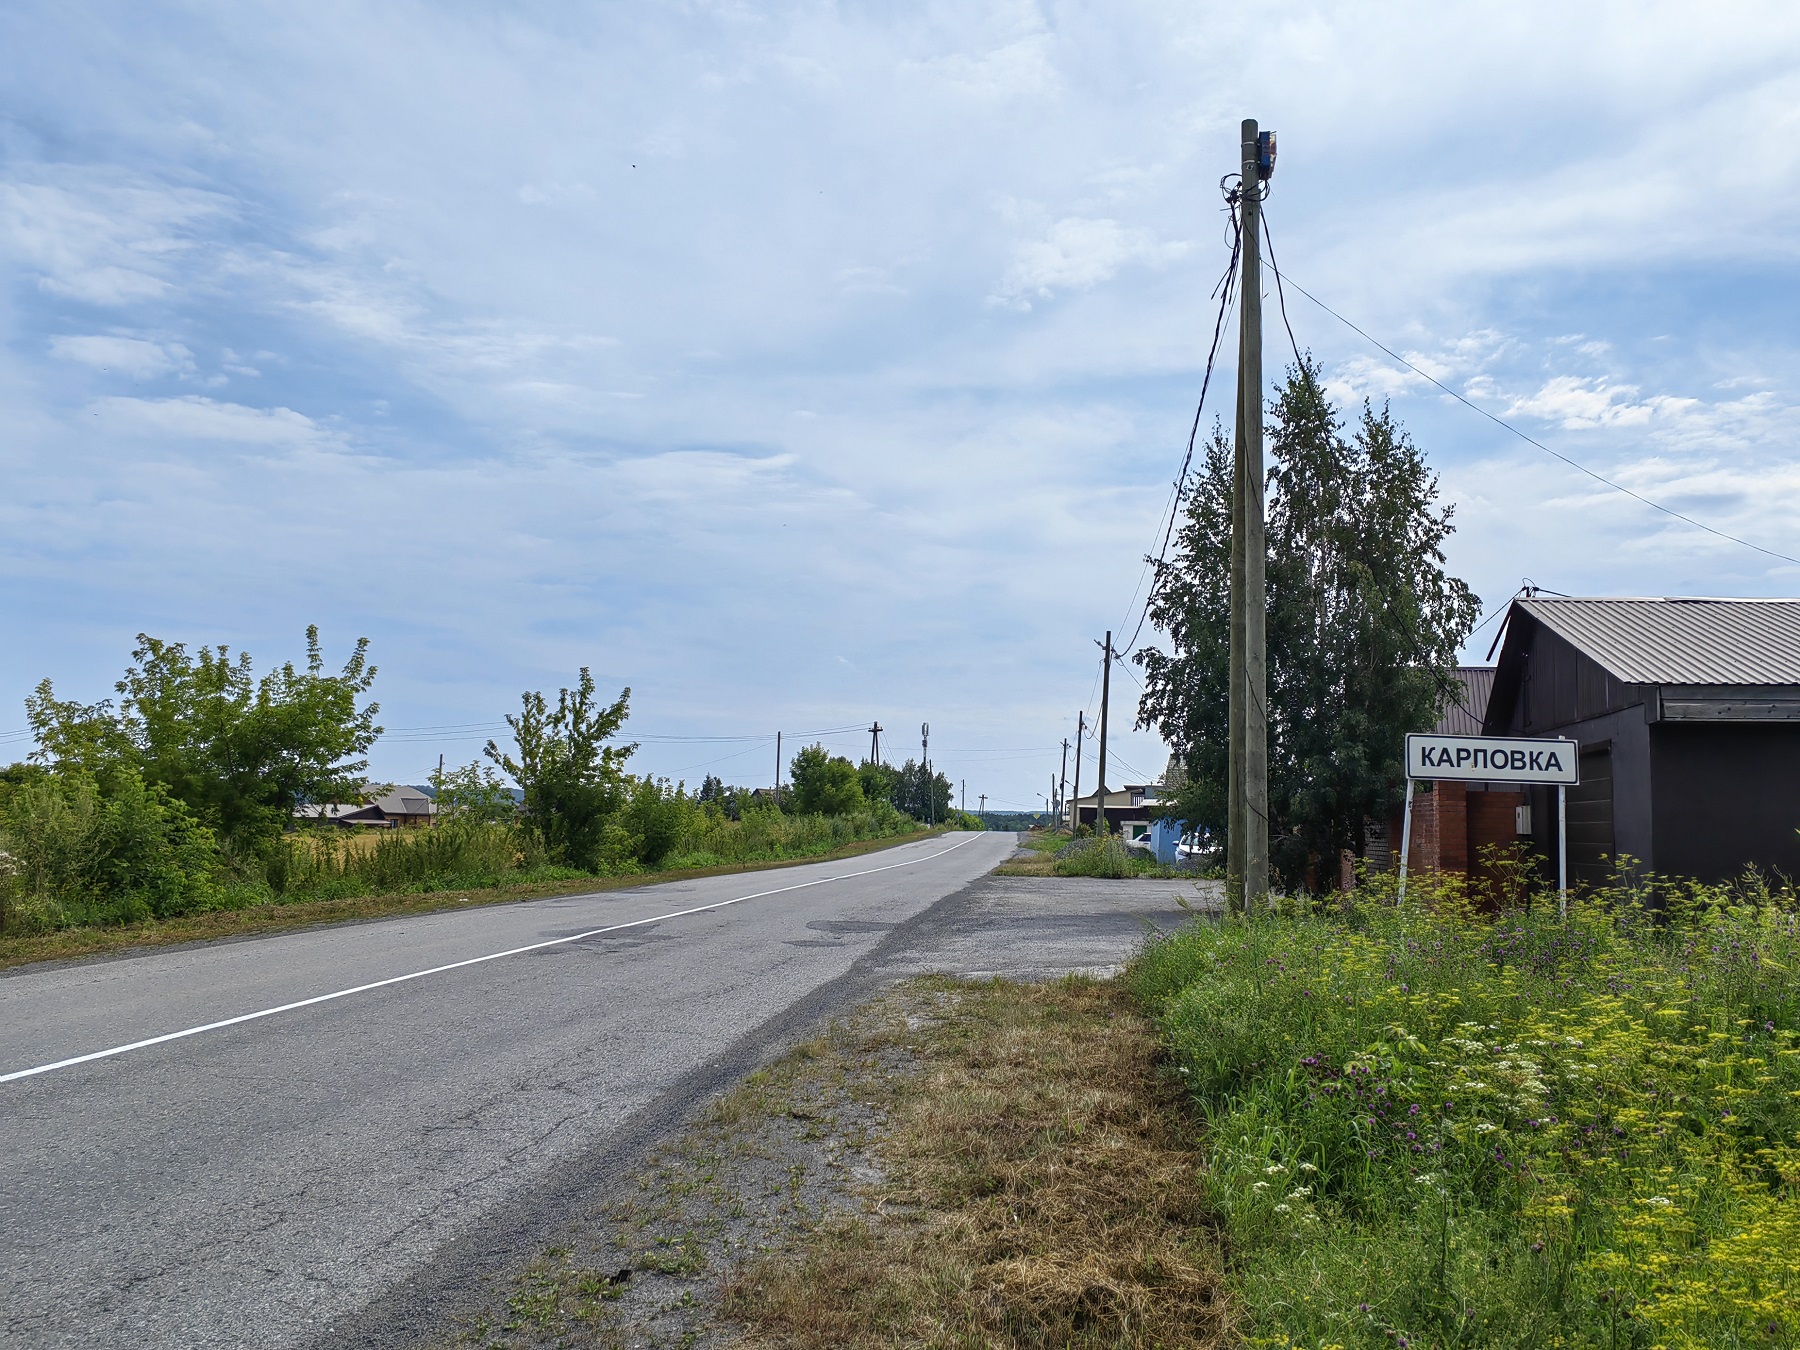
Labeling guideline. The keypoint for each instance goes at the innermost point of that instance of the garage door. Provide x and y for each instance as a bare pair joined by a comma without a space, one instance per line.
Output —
1590,808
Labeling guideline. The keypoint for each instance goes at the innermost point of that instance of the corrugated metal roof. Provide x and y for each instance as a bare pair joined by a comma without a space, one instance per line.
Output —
1680,641
1463,718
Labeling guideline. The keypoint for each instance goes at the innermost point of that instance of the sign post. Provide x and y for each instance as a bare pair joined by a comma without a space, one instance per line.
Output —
1495,759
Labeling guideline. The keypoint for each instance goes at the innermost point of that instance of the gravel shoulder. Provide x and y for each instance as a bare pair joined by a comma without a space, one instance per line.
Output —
689,1242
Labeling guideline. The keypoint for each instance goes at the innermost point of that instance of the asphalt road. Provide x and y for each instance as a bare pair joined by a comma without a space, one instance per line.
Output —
258,1183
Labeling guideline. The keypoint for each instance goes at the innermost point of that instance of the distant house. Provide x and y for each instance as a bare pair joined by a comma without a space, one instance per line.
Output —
1128,809
1687,712
400,806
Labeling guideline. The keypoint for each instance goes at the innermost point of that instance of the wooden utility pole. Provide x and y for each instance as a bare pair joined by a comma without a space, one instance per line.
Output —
1247,866
778,771
984,810
1075,801
1063,782
925,771
875,743
1105,696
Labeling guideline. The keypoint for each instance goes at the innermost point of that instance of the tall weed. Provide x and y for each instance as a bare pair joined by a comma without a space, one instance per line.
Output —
1432,1127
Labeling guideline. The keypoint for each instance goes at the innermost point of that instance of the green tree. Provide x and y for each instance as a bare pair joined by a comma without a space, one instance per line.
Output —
919,797
1364,624
238,752
825,784
472,795
574,782
880,782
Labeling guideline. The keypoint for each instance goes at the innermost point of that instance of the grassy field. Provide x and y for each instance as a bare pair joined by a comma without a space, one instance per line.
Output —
65,944
1431,1128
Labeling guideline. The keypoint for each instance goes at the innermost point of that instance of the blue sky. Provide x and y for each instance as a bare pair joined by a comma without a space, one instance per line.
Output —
800,365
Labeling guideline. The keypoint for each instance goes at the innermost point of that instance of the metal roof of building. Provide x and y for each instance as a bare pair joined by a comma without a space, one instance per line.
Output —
1676,640
1463,717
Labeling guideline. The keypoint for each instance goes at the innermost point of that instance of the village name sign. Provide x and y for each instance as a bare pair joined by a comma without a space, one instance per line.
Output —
1492,759
1495,759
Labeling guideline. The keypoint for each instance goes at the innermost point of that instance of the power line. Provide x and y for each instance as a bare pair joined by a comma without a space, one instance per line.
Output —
1529,440
1224,290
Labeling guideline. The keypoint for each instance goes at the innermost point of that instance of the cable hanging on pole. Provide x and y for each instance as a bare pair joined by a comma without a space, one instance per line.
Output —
1225,291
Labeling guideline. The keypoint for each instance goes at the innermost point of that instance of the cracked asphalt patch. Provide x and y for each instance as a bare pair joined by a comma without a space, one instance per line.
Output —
789,1150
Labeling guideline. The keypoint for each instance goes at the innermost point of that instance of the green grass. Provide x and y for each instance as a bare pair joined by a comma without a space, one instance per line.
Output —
1429,1128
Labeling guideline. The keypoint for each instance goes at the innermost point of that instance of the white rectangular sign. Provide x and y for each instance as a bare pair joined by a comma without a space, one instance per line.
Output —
1493,759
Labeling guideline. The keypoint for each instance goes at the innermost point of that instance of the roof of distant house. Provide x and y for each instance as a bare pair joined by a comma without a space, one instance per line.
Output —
1679,640
1469,700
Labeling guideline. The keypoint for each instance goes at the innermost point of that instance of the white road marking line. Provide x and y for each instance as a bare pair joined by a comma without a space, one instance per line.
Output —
458,965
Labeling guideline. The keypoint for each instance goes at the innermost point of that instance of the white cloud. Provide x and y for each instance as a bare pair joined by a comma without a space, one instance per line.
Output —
135,358
1077,254
102,238
1575,403
198,418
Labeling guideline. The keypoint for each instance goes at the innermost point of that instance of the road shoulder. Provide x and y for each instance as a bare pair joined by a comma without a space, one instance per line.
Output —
957,1161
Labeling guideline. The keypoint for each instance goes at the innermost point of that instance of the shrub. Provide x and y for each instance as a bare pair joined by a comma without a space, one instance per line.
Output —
1093,857
78,853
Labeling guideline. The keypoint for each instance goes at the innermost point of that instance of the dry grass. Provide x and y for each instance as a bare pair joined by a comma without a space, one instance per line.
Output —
1040,1190
1036,858
74,943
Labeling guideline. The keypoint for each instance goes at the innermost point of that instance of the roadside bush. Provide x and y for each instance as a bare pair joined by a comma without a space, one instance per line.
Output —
657,818
1093,857
1429,1127
762,834
78,853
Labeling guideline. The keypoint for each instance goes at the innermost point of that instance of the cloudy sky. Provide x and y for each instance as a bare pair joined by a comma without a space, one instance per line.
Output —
803,364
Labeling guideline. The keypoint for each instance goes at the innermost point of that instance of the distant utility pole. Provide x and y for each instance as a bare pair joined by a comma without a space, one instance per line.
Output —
1056,788
437,787
1105,697
875,743
965,796
778,771
984,810
1247,844
1075,802
925,770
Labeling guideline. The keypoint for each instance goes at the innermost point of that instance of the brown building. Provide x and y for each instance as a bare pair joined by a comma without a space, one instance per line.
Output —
1687,711
1453,823
396,807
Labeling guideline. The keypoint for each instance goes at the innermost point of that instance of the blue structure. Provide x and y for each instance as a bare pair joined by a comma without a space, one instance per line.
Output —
1165,839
